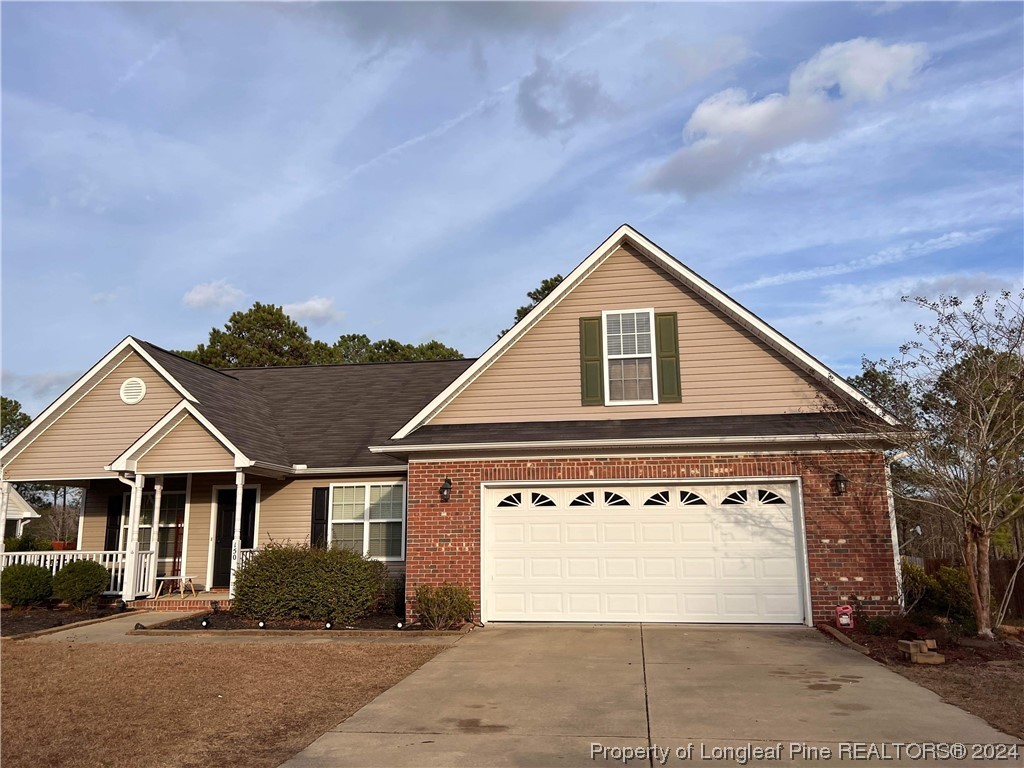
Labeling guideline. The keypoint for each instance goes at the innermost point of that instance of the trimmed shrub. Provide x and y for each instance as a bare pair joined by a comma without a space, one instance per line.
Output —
22,585
443,607
289,581
26,543
80,582
919,589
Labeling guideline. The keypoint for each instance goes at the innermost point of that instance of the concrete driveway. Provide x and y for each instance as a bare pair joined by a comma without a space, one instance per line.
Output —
544,695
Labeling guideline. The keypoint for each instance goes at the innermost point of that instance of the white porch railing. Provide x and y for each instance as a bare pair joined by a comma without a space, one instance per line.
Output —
112,560
244,555
145,574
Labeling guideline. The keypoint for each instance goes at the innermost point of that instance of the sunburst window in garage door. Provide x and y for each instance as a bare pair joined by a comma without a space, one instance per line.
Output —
659,499
542,500
613,499
583,500
769,497
736,497
689,498
512,500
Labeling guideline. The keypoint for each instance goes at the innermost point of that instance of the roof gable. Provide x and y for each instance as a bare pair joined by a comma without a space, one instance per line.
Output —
89,425
752,326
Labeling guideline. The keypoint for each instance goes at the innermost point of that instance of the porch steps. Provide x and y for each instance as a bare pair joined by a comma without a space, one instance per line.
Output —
177,604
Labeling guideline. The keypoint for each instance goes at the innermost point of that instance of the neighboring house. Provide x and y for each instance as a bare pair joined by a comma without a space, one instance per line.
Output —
639,447
19,514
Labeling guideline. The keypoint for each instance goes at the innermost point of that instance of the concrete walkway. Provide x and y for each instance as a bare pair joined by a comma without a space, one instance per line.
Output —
535,695
116,631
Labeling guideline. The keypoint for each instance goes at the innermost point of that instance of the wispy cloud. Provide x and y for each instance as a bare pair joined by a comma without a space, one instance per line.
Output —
219,293
103,297
37,388
880,258
139,64
317,310
730,132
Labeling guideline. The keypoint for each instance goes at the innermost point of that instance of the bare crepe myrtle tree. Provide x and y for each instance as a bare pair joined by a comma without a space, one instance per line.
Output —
957,390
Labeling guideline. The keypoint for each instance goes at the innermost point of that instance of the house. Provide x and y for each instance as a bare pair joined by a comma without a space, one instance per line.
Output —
639,447
19,514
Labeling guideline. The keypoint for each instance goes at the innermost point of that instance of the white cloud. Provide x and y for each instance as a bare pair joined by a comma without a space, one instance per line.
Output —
219,293
316,310
730,132
880,258
103,297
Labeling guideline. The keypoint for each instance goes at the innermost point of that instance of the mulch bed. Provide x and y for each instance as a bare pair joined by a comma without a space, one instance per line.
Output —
884,648
229,620
18,621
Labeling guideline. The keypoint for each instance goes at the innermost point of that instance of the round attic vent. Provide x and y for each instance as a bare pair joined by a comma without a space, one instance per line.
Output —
133,390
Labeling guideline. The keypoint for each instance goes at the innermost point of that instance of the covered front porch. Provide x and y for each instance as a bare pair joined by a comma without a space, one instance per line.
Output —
155,534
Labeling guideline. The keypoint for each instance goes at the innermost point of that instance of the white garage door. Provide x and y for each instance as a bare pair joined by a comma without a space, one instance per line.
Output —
674,552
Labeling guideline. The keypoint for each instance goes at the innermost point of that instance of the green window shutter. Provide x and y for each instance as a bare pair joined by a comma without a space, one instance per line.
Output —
591,361
666,331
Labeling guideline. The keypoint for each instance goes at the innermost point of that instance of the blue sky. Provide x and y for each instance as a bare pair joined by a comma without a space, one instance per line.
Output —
410,171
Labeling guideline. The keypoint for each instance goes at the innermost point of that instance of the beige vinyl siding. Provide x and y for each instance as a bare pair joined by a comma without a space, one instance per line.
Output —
724,369
96,429
285,512
187,447
94,523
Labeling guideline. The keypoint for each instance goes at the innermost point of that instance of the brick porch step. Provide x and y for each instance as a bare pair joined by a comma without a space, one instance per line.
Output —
176,604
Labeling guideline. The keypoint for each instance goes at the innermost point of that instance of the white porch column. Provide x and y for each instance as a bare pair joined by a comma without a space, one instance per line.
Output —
81,517
154,535
236,542
132,547
5,500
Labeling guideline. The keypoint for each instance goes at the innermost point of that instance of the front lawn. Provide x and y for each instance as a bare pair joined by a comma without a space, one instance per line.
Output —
185,704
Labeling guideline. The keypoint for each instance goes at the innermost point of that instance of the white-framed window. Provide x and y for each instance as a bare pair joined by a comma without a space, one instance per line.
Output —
170,528
629,362
369,518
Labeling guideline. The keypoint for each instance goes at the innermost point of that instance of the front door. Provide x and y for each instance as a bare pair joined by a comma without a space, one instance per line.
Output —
225,531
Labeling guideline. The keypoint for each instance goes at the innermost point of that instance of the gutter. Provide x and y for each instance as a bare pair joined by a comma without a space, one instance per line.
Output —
631,442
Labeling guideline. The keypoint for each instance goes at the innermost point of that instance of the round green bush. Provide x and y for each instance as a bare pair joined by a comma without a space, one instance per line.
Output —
288,581
80,582
22,585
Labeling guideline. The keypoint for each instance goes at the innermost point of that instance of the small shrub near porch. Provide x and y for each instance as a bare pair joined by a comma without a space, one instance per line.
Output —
80,582
289,581
22,585
444,607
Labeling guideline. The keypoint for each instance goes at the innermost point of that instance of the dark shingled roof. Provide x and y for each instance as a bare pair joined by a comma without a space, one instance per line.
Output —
317,415
330,414
240,412
786,424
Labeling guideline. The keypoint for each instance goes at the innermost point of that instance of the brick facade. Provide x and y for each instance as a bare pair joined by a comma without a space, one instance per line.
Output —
849,540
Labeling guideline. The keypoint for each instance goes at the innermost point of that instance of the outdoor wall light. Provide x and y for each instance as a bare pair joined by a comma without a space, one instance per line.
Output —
839,482
446,489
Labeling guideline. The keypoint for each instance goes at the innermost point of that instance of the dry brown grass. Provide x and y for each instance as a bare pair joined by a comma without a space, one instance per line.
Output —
993,692
185,704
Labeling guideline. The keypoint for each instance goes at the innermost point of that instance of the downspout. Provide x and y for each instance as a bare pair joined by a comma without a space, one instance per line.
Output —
132,543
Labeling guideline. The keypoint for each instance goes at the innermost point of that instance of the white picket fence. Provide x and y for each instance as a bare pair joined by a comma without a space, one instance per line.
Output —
113,561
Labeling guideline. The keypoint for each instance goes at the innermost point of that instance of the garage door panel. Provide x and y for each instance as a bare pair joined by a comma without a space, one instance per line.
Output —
673,559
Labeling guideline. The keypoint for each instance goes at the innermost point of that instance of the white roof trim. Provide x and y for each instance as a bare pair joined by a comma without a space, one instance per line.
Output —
18,508
58,407
624,233
127,461
626,442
